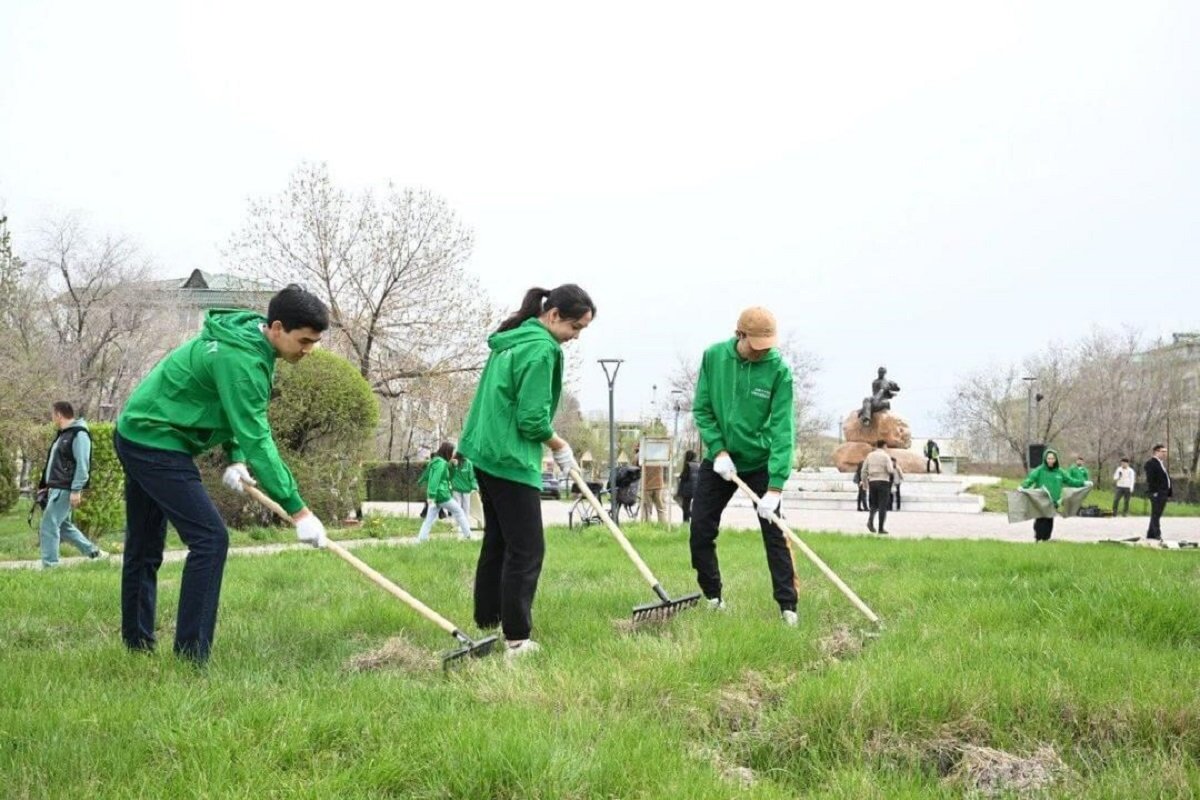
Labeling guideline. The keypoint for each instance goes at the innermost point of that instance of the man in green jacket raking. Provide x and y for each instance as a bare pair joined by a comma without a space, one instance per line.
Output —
743,411
211,391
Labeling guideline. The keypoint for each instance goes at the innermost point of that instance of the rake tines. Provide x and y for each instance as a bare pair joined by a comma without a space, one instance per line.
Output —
471,648
665,609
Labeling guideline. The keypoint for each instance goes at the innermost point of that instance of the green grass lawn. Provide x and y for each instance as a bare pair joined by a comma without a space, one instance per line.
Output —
1082,661
994,500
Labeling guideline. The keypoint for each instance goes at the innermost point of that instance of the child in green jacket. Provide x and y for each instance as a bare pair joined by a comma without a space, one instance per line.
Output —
509,423
436,479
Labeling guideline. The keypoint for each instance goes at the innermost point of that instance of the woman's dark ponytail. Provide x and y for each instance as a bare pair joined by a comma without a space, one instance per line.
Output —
571,301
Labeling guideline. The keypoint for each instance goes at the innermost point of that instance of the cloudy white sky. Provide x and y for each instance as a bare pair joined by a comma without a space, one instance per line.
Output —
930,186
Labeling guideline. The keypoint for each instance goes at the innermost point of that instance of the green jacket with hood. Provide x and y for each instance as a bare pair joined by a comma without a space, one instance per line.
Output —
512,413
462,476
745,408
1079,472
214,390
1052,479
437,477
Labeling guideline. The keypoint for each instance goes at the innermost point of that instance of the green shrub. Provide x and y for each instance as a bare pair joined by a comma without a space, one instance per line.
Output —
102,511
394,481
323,417
9,491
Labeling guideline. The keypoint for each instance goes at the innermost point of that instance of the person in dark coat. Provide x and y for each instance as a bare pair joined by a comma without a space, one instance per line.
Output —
862,489
687,483
1158,486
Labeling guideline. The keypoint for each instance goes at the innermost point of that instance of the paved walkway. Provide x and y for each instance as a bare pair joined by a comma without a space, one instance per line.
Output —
901,525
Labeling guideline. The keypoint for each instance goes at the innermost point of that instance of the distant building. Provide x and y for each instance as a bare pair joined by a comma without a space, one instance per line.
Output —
201,291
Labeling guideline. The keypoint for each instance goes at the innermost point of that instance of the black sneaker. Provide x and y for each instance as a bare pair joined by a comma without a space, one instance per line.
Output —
871,527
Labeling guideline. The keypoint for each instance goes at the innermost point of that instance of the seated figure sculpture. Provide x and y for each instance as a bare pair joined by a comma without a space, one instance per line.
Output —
882,392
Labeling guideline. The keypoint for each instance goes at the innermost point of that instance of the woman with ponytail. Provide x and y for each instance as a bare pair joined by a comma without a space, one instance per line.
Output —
509,422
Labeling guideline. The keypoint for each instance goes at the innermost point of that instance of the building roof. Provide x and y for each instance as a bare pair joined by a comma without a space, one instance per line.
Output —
217,290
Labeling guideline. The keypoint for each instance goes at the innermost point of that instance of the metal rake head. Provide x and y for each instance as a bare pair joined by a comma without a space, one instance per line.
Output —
663,610
470,648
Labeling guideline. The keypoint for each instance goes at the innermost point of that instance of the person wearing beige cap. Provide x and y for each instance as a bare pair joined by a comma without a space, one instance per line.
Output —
743,411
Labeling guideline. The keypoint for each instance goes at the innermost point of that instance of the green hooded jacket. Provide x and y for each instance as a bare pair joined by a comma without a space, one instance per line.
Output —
214,390
437,477
745,408
462,476
512,413
1079,472
1051,479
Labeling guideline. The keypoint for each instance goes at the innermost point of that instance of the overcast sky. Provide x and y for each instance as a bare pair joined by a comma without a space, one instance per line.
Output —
929,186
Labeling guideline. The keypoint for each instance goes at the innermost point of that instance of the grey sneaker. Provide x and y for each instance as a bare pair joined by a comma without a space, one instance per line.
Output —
716,604
790,618
97,553
522,648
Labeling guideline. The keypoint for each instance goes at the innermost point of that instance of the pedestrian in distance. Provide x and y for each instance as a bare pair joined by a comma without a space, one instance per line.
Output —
1158,486
462,482
861,486
897,479
64,479
877,471
689,476
1123,482
933,456
436,479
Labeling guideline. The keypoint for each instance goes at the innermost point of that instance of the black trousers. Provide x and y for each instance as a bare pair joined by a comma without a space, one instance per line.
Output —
862,499
881,493
685,502
162,485
1158,504
510,560
935,463
1119,493
1042,528
713,493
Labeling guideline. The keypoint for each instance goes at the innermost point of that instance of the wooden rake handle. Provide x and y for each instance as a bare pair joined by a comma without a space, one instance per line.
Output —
813,557
613,529
354,561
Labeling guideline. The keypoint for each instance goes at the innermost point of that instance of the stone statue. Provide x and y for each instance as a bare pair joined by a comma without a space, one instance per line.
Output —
882,392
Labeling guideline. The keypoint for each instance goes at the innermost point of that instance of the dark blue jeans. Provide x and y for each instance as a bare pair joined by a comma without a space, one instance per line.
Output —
162,485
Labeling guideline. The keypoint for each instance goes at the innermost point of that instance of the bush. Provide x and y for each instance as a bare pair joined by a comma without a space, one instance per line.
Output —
103,508
394,481
323,417
9,491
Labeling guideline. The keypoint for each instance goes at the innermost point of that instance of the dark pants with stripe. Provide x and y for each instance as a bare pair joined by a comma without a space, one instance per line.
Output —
510,560
881,497
713,493
162,485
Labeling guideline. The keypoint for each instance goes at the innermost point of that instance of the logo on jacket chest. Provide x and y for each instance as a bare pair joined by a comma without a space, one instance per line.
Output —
761,393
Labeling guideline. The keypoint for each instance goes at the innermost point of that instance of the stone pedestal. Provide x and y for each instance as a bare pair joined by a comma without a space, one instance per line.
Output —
860,440
849,455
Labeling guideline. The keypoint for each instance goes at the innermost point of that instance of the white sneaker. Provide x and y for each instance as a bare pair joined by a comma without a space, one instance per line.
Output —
716,604
790,618
521,648
98,553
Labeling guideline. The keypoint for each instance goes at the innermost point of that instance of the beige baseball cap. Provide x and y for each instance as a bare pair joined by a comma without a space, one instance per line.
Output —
759,326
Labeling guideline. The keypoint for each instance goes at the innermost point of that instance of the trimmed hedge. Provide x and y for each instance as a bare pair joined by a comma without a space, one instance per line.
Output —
102,511
394,481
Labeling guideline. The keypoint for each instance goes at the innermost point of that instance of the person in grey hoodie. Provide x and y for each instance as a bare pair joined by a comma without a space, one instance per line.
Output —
65,477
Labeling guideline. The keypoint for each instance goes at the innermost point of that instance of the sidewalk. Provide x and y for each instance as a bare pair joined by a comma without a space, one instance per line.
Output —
900,524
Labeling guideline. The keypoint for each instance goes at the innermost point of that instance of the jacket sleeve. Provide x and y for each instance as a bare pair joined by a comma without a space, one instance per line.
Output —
245,393
81,448
438,474
782,429
534,396
1073,480
1031,479
705,416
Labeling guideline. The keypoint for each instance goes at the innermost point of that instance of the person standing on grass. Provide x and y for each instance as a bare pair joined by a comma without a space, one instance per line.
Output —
877,472
462,483
1052,478
65,477
436,479
1158,485
510,420
688,478
213,390
743,411
1078,471
1123,482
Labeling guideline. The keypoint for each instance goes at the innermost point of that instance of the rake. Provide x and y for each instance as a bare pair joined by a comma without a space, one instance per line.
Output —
649,612
474,648
813,557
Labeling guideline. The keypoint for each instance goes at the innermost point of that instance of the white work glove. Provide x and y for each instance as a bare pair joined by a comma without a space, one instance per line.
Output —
768,504
235,474
564,457
1088,484
723,466
310,530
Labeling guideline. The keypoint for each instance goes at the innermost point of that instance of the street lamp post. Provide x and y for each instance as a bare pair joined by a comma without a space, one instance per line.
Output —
1029,382
615,363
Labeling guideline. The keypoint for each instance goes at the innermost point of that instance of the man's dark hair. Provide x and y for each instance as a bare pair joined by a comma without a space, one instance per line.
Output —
881,443
1124,460
1158,447
296,307
65,409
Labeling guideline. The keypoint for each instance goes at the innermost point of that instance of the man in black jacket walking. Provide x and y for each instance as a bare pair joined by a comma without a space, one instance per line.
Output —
1158,485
